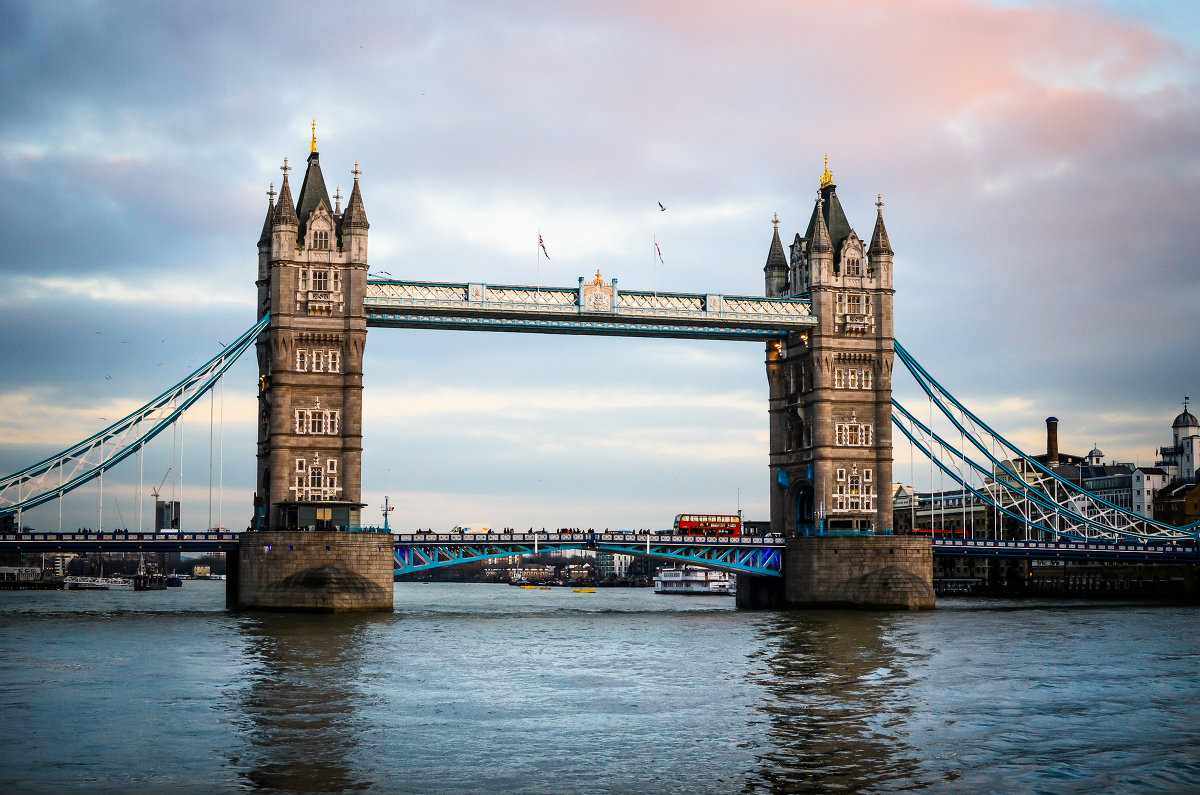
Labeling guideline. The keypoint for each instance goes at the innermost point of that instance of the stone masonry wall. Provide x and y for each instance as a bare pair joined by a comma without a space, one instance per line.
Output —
331,572
888,572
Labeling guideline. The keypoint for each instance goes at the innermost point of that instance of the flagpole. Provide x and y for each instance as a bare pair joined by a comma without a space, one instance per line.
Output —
654,259
539,267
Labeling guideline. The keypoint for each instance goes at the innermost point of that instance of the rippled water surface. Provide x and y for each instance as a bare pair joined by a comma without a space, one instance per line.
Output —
489,688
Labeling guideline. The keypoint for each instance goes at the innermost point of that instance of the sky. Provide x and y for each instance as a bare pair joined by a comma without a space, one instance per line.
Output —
1039,164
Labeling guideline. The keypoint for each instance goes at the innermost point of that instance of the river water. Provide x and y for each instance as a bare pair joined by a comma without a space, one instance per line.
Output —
488,688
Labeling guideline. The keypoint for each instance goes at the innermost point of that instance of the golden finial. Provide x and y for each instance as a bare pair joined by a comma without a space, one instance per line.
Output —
775,221
599,278
314,140
827,177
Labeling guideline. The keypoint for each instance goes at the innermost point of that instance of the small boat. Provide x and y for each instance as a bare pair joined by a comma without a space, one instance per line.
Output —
543,587
174,581
585,590
528,587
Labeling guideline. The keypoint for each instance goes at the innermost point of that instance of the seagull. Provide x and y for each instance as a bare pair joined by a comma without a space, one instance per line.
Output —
221,343
385,273
660,207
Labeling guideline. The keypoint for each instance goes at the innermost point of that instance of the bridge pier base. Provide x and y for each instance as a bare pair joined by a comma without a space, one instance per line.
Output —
314,572
871,572
865,572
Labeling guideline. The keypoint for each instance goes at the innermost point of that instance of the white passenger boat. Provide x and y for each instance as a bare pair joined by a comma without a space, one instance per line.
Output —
695,581
75,582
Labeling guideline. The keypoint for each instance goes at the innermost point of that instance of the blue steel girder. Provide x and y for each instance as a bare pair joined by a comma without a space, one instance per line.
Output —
758,557
593,308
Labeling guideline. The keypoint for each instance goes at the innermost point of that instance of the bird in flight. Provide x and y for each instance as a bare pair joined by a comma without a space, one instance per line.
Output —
661,208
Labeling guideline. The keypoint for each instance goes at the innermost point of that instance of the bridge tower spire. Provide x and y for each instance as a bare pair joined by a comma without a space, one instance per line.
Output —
312,280
830,398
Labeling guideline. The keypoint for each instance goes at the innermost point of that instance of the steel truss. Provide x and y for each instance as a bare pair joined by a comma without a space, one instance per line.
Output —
89,459
557,310
1003,477
763,557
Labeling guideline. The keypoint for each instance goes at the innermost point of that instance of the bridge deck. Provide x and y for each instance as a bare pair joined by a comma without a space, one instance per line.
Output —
634,543
598,308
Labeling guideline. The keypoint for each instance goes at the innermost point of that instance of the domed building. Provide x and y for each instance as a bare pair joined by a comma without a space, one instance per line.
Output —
1179,502
1179,460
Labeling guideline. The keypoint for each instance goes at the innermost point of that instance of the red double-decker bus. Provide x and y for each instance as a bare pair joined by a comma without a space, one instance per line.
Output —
940,532
708,524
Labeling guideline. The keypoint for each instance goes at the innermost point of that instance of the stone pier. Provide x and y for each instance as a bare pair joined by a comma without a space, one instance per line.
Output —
865,572
315,572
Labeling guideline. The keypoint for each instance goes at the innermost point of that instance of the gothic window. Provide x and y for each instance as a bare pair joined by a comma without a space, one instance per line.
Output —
303,280
321,240
334,361
317,421
841,474
852,434
299,464
301,359
866,379
320,280
852,379
337,282
867,475
841,303
855,491
854,267
839,379
854,304
318,361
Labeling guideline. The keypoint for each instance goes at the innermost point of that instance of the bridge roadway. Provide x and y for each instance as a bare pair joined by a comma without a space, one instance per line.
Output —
748,554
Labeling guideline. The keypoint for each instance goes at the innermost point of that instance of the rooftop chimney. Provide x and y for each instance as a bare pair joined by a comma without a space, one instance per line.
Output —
1052,442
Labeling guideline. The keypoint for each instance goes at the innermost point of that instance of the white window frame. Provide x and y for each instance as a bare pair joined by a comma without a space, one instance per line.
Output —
302,360
318,361
334,361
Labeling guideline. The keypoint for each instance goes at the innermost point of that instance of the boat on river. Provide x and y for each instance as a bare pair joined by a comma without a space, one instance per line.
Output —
80,583
695,581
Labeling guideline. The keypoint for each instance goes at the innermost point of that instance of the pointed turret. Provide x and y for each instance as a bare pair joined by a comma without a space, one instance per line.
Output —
776,269
354,223
818,231
879,238
355,216
285,210
265,238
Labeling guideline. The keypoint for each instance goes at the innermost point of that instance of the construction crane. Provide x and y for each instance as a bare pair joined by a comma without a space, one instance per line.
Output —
158,488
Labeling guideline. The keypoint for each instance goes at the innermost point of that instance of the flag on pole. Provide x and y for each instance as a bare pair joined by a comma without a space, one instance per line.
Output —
543,246
658,251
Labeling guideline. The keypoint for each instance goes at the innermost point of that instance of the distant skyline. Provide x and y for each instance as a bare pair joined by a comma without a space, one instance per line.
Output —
1039,164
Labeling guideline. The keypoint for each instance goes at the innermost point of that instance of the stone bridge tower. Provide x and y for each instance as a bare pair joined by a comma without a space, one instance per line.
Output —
312,274
830,388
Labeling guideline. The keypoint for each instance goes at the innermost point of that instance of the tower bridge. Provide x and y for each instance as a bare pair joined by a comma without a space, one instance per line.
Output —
826,325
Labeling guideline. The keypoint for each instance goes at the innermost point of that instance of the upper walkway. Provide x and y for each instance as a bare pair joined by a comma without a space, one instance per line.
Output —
595,307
